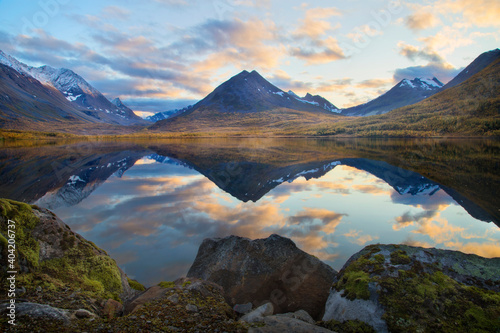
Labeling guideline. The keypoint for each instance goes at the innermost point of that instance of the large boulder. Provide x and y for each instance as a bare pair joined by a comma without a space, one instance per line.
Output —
53,257
399,288
265,270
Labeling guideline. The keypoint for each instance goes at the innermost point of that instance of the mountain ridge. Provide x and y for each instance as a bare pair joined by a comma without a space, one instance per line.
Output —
405,92
76,90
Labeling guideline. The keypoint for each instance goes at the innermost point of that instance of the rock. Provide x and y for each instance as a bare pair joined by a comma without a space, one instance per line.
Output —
38,311
279,324
112,309
55,242
300,315
243,308
192,308
265,270
404,288
341,309
150,294
258,314
82,313
174,298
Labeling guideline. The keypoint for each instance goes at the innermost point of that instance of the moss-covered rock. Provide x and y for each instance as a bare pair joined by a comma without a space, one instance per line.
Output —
418,290
52,258
136,285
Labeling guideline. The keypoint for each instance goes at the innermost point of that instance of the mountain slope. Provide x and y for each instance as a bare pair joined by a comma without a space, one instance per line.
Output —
24,102
76,90
480,63
250,92
245,101
406,92
471,108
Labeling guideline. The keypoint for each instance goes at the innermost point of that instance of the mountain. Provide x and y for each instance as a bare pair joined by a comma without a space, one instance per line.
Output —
26,104
406,92
480,63
167,114
77,91
321,102
247,100
471,108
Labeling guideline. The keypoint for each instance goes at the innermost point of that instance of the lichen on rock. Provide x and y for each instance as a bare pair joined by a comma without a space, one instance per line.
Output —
402,288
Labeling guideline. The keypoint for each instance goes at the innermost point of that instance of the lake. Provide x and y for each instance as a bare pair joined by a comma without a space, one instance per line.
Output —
150,204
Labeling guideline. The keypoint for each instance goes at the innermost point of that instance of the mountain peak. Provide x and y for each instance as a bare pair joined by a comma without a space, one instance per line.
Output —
480,63
117,101
421,83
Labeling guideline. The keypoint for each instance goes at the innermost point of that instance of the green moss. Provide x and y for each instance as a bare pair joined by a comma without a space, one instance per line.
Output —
25,221
167,284
349,326
82,268
418,301
135,284
187,283
355,284
400,257
379,258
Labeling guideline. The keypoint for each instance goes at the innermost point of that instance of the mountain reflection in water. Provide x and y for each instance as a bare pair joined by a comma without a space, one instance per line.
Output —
150,204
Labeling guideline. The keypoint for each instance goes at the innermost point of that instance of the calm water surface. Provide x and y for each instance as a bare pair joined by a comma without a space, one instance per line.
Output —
150,204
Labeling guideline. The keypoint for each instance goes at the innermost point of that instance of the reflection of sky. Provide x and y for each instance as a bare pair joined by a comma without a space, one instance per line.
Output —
153,219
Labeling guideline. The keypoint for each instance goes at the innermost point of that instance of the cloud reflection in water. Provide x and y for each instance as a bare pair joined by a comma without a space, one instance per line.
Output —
153,219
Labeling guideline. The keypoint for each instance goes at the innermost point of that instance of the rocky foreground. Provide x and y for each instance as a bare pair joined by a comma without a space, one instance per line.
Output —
67,284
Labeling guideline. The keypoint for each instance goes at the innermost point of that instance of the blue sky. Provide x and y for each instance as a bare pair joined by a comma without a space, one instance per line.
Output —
162,54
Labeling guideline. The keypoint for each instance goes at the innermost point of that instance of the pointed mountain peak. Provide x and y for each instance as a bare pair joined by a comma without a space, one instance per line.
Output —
117,101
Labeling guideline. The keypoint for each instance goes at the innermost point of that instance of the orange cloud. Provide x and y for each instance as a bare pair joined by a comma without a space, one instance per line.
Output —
422,19
321,52
482,13
313,26
360,240
370,189
487,250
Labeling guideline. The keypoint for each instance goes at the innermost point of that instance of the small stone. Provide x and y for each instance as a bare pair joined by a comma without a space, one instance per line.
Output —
82,313
38,289
243,308
112,308
258,314
192,308
174,298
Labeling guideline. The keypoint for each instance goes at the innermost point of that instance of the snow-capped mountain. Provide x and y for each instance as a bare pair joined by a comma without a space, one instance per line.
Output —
167,114
245,93
76,90
320,101
406,92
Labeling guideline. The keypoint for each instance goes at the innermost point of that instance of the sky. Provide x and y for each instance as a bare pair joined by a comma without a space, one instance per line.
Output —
158,55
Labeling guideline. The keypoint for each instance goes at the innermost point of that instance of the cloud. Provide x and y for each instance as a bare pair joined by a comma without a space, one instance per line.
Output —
319,52
414,53
358,239
337,84
482,13
284,81
374,83
116,12
421,20
313,25
437,66
441,71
